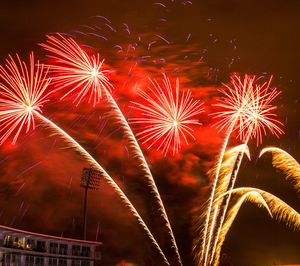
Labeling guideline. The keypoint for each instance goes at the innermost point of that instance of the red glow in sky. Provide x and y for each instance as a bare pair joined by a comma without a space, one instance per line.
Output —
199,43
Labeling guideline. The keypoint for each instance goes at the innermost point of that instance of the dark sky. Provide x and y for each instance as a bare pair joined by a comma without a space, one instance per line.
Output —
205,42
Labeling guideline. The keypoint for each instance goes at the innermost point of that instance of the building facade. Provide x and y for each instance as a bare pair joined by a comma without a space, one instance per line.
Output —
23,248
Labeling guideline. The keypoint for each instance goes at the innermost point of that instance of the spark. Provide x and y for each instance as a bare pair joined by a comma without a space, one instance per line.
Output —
168,117
74,69
21,95
98,36
87,27
110,27
188,37
150,44
28,169
163,39
102,17
248,109
19,189
160,4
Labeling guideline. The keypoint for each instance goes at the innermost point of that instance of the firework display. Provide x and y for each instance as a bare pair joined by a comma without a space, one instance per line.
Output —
76,69
26,91
173,124
23,91
248,110
95,84
167,116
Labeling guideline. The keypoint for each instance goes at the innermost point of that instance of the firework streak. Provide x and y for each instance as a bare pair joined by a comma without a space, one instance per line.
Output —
286,163
247,110
275,206
137,153
167,117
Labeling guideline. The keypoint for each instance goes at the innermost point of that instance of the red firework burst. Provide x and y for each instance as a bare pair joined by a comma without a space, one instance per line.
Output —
73,68
167,116
248,109
22,92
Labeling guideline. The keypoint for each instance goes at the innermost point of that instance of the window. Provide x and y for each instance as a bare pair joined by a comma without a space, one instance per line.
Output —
15,242
8,242
40,246
30,244
6,258
19,242
29,260
85,263
75,263
62,262
39,261
76,250
53,248
86,251
52,261
63,249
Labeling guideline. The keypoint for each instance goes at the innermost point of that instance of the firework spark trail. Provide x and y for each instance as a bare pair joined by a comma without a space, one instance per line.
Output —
20,188
220,187
75,68
238,105
212,196
236,100
212,227
168,117
227,199
23,95
27,169
277,208
252,196
85,68
248,110
98,231
227,167
286,163
137,153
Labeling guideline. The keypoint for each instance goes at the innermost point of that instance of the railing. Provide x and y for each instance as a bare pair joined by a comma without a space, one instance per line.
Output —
34,248
16,245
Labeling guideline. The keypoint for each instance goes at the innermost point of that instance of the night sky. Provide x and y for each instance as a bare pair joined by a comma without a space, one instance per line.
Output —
201,43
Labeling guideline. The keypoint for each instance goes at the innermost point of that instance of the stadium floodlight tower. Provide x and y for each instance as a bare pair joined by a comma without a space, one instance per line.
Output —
90,179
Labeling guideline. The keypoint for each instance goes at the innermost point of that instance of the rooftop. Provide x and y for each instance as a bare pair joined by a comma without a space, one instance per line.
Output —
38,235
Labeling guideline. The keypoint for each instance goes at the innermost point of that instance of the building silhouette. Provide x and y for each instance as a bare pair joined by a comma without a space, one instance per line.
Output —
23,248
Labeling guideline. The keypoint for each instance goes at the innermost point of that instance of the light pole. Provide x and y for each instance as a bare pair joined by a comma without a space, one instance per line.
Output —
90,179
